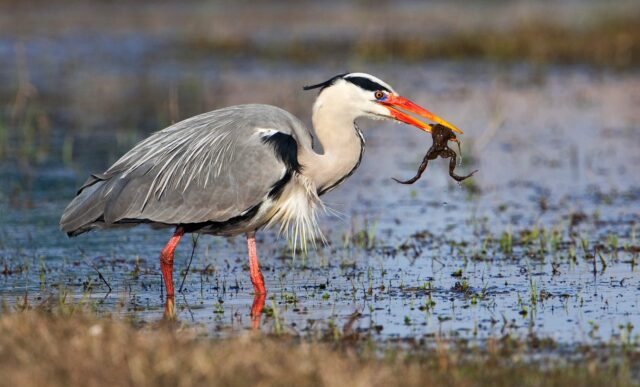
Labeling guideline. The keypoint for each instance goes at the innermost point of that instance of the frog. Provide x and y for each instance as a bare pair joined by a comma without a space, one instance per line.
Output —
441,135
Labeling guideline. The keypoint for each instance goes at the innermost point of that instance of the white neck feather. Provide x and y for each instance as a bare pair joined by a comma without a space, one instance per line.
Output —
333,120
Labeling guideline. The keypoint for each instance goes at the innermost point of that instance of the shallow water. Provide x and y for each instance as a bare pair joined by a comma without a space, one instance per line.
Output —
556,151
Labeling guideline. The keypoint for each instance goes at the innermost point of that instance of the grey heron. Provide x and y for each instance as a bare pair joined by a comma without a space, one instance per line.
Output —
239,169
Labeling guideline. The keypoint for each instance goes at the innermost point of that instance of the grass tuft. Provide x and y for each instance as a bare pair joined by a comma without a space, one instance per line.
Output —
79,349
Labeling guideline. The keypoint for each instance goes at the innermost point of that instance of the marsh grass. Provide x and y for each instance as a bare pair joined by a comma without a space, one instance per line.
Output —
610,42
76,348
362,234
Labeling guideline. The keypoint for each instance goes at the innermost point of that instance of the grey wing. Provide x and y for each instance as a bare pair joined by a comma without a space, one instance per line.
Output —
209,168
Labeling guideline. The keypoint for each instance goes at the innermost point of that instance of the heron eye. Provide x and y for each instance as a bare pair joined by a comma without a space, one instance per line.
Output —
379,94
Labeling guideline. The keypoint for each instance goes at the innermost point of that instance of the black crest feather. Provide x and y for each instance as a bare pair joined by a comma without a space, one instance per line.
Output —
326,83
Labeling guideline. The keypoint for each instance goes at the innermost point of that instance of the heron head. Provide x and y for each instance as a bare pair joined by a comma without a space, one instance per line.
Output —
365,95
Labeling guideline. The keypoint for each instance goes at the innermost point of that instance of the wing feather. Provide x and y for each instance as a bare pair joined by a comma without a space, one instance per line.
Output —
208,168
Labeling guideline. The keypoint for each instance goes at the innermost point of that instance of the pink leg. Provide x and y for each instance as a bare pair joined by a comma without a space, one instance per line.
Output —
166,260
260,293
257,280
256,310
254,270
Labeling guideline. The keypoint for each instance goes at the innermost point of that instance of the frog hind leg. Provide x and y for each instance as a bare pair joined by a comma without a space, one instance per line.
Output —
452,166
432,154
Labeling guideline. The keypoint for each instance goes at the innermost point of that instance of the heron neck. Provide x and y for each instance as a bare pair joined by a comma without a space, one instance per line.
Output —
342,146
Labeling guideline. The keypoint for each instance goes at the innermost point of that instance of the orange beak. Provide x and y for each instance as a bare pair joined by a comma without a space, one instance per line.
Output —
396,102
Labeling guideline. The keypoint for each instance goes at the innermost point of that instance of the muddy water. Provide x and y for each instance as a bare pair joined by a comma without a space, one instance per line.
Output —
557,153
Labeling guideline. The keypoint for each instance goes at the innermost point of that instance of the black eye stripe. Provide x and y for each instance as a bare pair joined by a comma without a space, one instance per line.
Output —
366,84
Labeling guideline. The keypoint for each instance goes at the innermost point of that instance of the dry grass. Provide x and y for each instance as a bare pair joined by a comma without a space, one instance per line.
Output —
38,349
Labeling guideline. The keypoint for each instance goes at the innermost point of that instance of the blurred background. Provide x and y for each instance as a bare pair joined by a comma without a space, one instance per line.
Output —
81,81
547,93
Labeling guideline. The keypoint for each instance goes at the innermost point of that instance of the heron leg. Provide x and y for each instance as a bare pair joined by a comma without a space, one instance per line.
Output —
256,310
166,260
254,270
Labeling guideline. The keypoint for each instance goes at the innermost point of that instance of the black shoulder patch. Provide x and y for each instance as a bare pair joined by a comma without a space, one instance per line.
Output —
286,149
278,187
366,84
